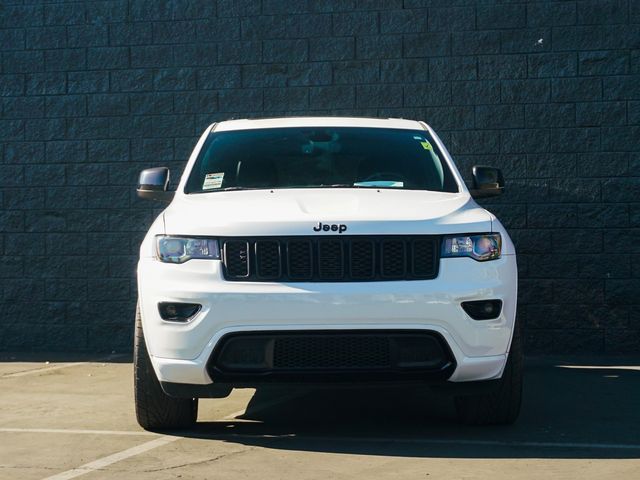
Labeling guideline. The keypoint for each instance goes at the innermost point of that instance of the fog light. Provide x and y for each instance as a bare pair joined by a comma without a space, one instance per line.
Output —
483,309
178,312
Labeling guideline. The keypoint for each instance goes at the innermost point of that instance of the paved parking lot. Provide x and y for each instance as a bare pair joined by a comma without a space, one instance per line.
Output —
74,418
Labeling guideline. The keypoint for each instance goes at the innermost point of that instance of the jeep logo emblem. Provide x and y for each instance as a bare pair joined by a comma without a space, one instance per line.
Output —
334,227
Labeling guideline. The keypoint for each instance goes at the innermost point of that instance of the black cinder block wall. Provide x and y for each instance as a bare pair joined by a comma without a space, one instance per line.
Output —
92,92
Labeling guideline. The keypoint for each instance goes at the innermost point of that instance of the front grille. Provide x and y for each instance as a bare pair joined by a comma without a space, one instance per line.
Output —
331,258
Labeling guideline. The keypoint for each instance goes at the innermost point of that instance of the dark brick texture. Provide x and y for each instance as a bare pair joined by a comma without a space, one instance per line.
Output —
92,92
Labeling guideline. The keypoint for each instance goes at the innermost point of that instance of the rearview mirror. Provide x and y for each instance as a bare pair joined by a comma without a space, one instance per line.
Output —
153,184
487,181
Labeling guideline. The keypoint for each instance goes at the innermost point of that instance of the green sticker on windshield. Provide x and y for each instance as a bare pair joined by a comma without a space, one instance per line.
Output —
426,145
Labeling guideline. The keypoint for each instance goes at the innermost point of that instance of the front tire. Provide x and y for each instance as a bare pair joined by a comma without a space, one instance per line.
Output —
501,406
155,410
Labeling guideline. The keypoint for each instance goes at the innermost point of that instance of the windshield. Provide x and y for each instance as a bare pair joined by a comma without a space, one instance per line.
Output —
320,157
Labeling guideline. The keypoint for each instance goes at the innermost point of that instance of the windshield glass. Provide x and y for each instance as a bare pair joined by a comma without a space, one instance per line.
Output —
320,157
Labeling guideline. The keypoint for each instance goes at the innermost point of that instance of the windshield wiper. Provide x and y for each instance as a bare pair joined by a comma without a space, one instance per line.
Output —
229,189
337,185
332,185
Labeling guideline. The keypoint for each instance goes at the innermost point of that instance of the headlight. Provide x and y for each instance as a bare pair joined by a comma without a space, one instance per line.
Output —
180,249
480,247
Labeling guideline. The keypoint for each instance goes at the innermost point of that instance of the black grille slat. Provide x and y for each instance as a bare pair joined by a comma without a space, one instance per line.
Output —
236,256
394,260
331,258
362,259
268,259
423,257
300,259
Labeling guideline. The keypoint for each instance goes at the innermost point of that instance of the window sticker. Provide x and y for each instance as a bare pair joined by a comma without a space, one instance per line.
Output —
380,183
426,145
212,180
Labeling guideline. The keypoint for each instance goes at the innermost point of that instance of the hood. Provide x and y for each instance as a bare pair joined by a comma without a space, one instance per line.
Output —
298,212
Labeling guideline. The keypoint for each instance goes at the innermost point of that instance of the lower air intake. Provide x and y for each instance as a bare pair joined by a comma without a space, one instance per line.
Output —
308,355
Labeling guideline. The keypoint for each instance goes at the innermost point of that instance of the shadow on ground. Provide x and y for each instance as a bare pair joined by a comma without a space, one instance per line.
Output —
577,409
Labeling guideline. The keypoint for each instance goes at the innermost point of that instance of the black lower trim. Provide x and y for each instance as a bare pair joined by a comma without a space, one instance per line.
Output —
317,357
188,390
222,390
466,388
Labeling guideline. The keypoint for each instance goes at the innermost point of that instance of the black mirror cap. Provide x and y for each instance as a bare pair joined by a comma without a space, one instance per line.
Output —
153,184
487,181
154,179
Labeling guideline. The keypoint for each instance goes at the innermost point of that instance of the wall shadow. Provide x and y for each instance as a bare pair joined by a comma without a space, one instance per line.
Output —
64,357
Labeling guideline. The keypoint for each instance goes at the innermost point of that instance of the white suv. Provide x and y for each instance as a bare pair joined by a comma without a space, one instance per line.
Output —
324,251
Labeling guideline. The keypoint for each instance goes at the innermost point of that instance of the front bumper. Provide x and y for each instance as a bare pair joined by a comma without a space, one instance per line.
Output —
180,352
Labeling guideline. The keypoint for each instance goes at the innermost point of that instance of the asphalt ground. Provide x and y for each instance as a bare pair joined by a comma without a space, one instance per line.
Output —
73,418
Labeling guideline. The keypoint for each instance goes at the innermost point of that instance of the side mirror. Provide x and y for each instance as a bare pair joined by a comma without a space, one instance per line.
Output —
153,184
487,182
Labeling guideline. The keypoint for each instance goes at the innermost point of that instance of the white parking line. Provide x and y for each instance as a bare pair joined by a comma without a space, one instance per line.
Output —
77,432
601,367
130,452
34,371
111,459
